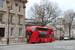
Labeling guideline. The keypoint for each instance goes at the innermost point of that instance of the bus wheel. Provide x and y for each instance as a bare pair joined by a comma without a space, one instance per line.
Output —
50,40
33,43
39,41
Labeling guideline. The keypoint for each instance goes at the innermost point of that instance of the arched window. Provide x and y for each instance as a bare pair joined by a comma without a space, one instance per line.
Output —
1,3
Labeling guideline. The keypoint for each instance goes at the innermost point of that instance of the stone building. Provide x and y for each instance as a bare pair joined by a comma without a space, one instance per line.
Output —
58,28
73,30
32,22
16,21
61,28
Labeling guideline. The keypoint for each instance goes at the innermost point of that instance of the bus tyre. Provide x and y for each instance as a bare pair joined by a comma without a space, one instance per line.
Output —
50,40
39,41
33,43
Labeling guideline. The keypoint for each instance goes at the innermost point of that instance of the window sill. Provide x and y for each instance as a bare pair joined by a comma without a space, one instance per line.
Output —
11,36
2,22
20,14
20,36
11,23
12,12
2,10
20,24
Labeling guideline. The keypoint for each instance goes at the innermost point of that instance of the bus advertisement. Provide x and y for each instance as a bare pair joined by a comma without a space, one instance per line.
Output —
37,34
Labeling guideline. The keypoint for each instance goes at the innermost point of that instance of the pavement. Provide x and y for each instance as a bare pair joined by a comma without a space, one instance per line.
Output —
19,43
13,44
57,45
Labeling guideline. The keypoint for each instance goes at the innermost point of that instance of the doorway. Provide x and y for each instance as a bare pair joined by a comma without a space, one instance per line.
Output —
2,32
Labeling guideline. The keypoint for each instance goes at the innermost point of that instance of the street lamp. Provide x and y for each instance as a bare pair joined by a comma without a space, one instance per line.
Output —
8,6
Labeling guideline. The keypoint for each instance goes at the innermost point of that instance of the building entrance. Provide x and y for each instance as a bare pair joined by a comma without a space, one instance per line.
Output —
2,32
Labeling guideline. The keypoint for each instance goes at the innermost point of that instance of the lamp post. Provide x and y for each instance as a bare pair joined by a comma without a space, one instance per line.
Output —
8,6
72,34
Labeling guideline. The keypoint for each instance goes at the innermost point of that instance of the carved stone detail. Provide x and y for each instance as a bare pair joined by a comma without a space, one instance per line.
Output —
7,1
24,6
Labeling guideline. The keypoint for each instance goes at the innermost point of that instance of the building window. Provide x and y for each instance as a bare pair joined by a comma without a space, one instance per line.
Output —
1,17
59,22
19,32
11,31
19,20
1,3
11,18
11,6
19,8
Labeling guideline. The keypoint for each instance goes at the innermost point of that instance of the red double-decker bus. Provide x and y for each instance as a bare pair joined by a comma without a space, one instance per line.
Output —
37,34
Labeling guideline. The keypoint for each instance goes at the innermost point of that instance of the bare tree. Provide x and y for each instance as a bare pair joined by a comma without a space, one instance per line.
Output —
45,11
68,16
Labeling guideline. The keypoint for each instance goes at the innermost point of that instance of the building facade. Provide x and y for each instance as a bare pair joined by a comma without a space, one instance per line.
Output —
32,22
73,31
61,28
16,16
58,28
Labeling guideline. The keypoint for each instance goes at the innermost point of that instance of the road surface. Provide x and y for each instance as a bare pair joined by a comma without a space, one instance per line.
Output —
57,45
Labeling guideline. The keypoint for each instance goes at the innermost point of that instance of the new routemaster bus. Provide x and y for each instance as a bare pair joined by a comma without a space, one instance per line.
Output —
37,34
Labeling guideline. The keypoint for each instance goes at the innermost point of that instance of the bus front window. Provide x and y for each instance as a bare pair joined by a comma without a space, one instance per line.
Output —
29,34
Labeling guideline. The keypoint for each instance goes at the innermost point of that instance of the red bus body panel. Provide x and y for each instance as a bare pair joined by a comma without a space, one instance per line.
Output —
35,35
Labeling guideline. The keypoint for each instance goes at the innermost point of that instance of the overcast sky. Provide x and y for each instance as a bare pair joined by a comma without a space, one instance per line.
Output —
62,4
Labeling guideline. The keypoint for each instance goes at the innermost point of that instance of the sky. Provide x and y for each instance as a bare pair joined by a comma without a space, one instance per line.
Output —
64,5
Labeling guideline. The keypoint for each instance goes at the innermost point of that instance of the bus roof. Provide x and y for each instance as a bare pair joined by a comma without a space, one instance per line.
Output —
38,27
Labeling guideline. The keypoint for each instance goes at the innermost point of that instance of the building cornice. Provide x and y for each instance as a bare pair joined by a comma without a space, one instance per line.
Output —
17,2
7,1
25,1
